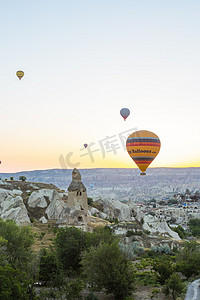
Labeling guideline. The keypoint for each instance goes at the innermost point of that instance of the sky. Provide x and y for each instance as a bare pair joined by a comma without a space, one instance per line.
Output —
84,61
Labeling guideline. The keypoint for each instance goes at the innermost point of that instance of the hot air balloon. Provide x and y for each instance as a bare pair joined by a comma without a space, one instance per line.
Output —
91,186
143,146
124,112
20,74
85,145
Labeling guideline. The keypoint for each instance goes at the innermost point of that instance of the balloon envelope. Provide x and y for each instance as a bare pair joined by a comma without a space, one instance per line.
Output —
20,74
124,112
143,146
85,145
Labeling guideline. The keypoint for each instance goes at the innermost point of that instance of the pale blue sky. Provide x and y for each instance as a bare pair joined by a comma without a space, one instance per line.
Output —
83,62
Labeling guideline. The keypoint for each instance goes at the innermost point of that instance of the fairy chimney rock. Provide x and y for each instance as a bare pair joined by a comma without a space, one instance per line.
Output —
76,175
77,195
76,184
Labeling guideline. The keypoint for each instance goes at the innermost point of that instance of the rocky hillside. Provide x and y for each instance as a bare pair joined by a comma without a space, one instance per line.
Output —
45,206
25,201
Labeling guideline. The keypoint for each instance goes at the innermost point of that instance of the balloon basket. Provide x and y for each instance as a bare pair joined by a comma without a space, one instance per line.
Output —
143,173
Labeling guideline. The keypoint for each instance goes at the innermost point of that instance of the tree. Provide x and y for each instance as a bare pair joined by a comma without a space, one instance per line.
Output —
90,201
181,232
99,235
73,288
12,285
172,201
188,259
105,267
22,178
70,242
164,270
18,243
17,270
50,271
194,225
174,285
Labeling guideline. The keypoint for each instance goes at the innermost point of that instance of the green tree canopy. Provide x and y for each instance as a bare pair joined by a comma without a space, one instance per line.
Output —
164,269
181,232
12,284
188,259
18,270
194,225
70,243
50,270
174,285
22,178
18,243
105,267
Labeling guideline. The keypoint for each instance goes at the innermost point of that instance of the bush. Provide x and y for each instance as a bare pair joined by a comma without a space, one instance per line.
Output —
147,232
172,201
194,225
73,289
42,235
188,259
129,233
31,219
22,178
154,292
90,201
131,250
146,278
181,232
112,220
174,285
163,269
91,297
161,249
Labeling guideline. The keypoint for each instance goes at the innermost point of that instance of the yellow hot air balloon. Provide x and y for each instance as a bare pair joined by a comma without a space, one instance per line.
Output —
20,74
143,146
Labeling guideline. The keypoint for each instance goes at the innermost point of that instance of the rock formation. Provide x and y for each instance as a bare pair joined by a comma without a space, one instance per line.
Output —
12,207
156,226
116,209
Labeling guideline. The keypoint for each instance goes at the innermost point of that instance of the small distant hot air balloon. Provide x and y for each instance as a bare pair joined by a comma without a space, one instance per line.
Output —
124,112
91,186
20,74
85,145
143,146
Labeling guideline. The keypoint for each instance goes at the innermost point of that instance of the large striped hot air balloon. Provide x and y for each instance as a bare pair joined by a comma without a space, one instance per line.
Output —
143,146
20,74
124,112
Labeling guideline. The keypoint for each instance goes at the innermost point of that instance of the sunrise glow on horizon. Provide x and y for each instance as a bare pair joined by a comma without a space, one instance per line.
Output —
82,63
